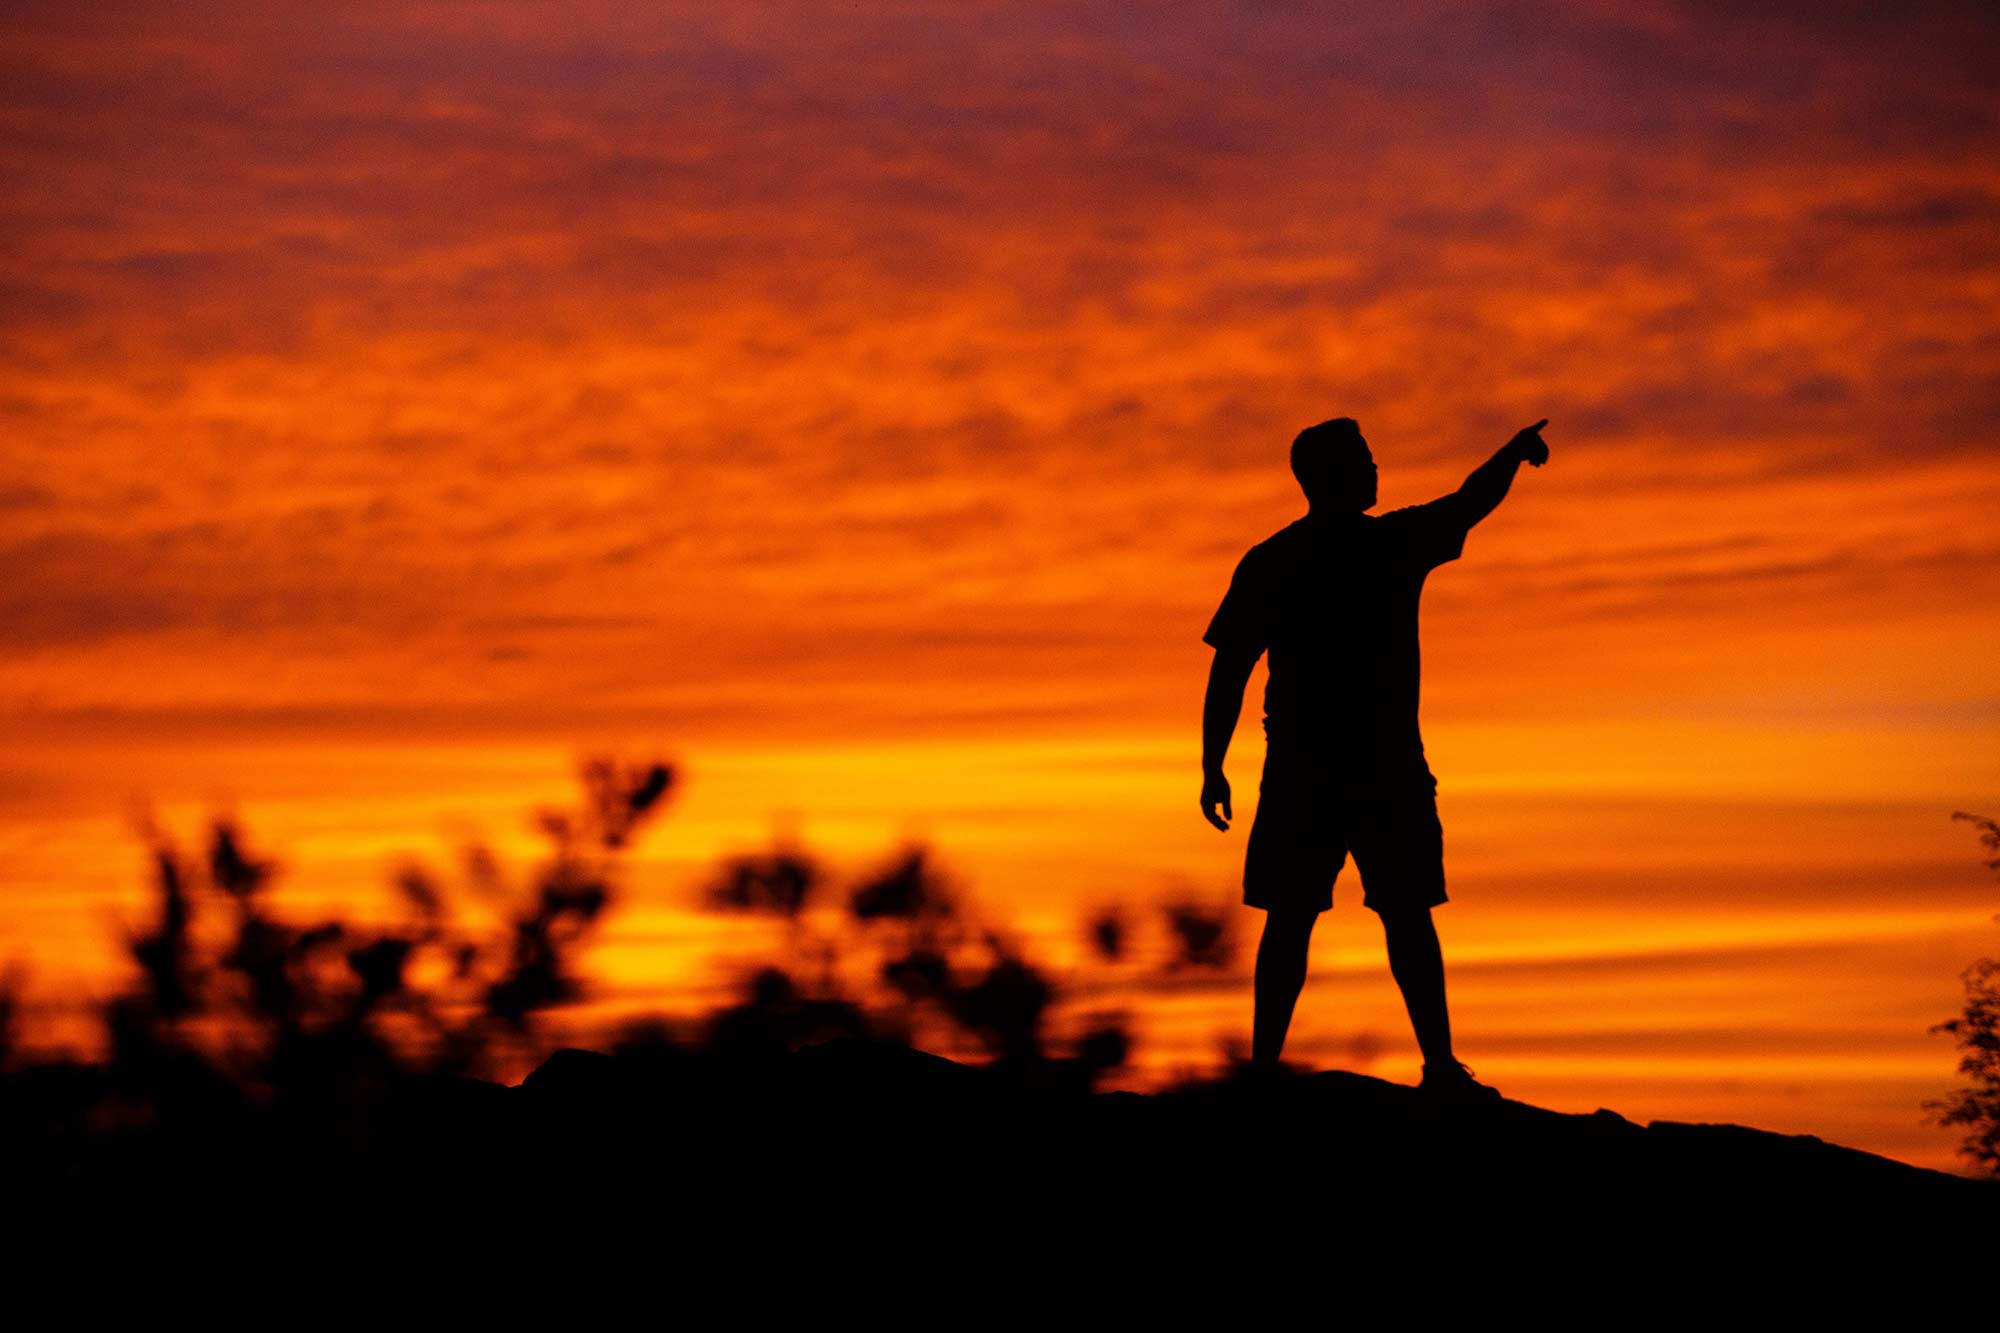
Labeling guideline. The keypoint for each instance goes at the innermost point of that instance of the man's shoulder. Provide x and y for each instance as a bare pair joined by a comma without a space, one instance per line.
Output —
1393,518
1430,533
1278,546
1449,507
1256,567
1307,539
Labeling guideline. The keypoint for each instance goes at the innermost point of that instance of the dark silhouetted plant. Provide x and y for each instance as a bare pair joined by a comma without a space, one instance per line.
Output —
1200,936
779,883
243,1020
1108,935
10,1009
1977,1030
941,975
326,1010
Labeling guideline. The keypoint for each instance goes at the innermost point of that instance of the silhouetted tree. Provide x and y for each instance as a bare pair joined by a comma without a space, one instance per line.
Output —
1977,1030
1977,1106
1108,934
1200,935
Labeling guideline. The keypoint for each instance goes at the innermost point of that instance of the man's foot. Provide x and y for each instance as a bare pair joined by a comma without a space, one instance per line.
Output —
1454,1082
1264,1073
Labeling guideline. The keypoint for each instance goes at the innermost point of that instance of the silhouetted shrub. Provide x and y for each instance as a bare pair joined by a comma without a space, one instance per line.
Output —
1977,1030
1105,1045
1989,837
1004,1007
779,883
242,1021
10,1009
776,1016
1977,1106
939,973
907,890
322,1011
1108,933
1200,935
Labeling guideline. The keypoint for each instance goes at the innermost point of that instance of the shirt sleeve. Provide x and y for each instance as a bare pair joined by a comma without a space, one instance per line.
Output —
1243,620
1434,533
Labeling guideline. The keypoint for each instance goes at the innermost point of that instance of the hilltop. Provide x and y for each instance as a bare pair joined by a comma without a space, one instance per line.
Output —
899,1143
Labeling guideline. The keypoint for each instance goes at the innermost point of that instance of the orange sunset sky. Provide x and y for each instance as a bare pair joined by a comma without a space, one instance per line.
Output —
865,404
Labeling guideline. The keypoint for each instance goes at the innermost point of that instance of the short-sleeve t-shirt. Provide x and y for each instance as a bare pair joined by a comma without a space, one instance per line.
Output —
1333,600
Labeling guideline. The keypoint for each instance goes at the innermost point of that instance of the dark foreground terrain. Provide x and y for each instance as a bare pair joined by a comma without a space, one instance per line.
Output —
878,1147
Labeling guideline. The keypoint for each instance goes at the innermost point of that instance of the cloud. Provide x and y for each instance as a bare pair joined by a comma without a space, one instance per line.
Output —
968,342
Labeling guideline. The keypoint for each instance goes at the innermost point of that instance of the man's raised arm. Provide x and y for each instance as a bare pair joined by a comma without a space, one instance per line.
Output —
1487,486
1227,675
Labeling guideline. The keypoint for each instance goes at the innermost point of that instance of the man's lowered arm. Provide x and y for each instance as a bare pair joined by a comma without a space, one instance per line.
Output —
1487,486
1227,675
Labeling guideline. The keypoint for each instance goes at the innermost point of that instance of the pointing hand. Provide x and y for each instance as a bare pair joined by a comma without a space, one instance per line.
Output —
1528,441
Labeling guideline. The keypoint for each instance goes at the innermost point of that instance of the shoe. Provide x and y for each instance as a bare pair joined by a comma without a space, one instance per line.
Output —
1455,1082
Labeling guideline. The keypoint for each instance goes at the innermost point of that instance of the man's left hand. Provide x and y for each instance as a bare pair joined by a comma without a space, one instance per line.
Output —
1528,442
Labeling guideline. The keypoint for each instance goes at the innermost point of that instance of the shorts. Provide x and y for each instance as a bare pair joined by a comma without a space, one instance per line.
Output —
1311,815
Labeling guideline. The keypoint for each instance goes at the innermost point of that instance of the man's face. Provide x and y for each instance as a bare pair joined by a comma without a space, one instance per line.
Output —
1371,475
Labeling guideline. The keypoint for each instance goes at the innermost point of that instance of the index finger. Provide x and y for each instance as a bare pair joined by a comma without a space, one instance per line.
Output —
1539,424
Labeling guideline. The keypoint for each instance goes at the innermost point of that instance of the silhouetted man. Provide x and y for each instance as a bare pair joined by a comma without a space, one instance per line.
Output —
1333,599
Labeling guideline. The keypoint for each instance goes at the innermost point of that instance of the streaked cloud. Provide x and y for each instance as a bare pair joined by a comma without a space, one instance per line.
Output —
794,340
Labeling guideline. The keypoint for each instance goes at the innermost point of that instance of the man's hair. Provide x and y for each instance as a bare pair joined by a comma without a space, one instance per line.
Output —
1323,449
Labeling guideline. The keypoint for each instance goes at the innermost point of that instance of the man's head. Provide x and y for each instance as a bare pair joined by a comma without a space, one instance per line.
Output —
1334,467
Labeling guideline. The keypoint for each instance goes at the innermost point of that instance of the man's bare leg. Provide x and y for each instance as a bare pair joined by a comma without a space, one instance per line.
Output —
1417,962
1281,974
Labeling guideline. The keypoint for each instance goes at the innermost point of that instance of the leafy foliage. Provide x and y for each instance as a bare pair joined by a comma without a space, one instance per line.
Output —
250,1030
276,1009
1977,1030
1977,1106
1989,836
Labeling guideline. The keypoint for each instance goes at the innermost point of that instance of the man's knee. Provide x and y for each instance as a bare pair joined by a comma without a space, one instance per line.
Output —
1289,923
1287,940
1398,919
